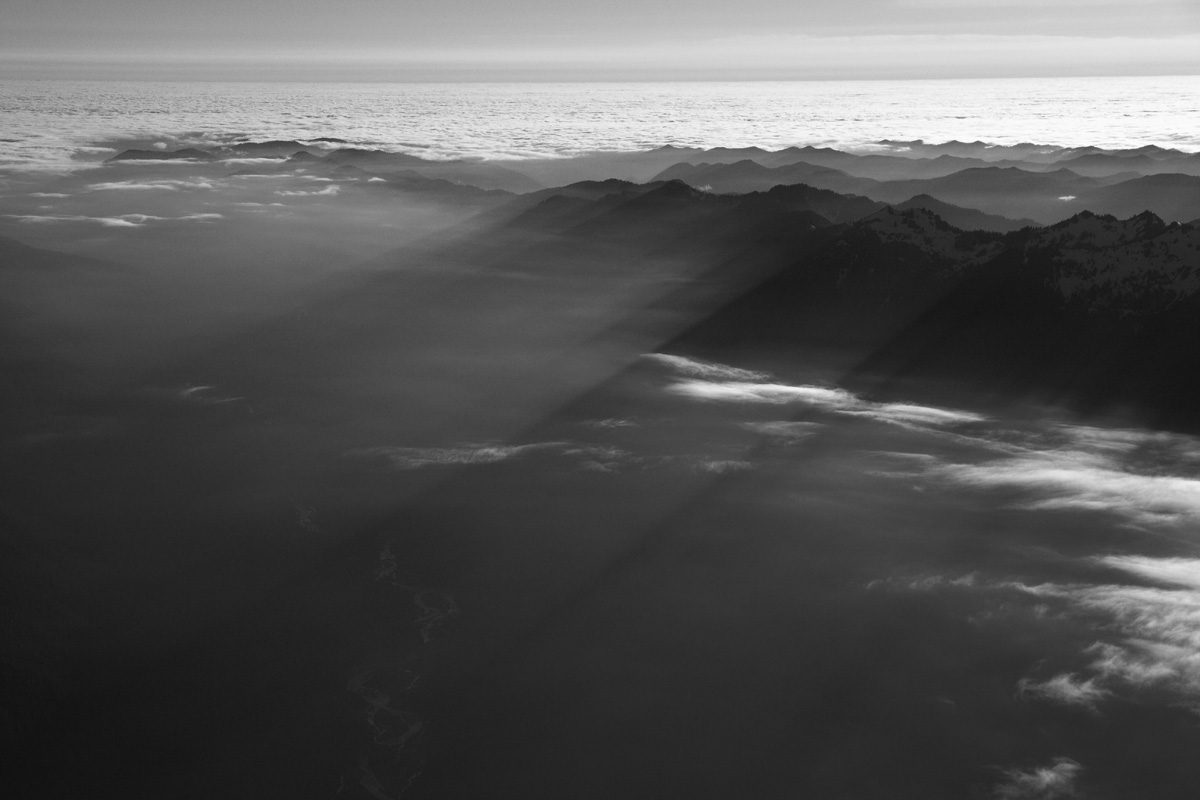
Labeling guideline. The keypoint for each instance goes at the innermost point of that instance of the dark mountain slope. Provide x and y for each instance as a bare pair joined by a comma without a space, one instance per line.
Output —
1101,328
1096,313
967,219
866,282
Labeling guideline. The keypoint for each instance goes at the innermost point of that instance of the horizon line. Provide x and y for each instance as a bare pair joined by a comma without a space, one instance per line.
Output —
540,76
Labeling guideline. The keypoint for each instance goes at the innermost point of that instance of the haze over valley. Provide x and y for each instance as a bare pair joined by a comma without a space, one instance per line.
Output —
864,471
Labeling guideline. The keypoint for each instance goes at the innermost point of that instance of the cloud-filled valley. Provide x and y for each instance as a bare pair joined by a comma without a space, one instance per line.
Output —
708,472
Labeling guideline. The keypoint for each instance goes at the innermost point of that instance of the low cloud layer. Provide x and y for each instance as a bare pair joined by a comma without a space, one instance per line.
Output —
1148,478
406,458
40,219
122,221
703,369
328,191
153,185
1144,639
724,384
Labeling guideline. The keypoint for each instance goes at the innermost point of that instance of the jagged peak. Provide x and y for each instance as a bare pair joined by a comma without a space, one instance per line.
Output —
923,217
745,163
1144,218
789,189
1090,231
673,188
1147,217
1084,215
928,232
607,183
918,226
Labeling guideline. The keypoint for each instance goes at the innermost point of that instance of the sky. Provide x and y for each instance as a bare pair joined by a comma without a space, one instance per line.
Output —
615,39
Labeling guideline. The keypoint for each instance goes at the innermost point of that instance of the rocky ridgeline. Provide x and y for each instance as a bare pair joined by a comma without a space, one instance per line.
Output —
924,230
1095,263
1134,266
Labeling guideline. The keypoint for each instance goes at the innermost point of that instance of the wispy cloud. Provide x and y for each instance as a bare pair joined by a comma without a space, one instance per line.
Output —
775,393
122,221
1051,782
1087,479
418,457
611,422
1147,638
154,185
1160,627
330,190
1181,572
204,395
901,413
108,222
1065,689
783,430
725,384
721,467
406,458
704,369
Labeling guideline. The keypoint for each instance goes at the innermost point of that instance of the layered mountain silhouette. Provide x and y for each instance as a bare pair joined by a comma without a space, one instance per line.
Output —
885,160
1017,194
1025,183
288,470
1095,311
186,153
915,262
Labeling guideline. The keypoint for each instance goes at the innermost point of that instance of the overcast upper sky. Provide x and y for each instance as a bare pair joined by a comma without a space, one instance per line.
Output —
548,39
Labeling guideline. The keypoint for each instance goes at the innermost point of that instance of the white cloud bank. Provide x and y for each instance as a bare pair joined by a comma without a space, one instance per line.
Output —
725,384
1147,637
328,191
122,221
1148,478
154,185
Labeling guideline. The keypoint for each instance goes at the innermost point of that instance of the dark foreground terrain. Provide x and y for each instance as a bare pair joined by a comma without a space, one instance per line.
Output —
335,473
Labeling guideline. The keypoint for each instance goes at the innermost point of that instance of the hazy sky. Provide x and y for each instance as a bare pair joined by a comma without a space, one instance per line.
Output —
547,39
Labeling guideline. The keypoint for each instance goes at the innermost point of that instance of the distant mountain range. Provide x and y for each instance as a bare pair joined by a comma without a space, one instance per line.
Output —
1017,194
1025,184
947,278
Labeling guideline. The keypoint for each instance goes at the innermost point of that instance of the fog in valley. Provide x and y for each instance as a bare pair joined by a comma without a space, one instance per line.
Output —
682,473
